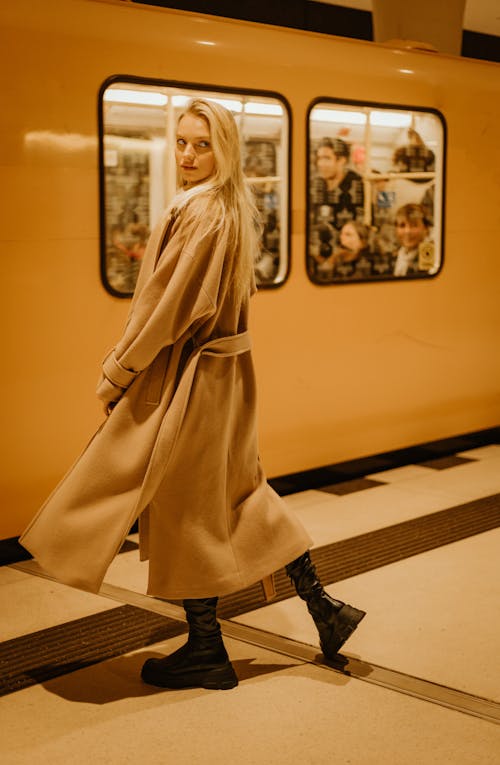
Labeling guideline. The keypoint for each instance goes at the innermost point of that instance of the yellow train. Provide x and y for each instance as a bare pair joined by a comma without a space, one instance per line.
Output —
355,355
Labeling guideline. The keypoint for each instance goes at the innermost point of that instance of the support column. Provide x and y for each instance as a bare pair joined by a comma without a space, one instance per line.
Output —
438,23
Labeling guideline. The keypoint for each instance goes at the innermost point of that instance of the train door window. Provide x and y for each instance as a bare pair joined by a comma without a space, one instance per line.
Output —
375,192
138,120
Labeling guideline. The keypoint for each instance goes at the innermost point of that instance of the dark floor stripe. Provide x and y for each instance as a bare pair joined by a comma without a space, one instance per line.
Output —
56,651
357,555
317,478
443,463
128,546
350,487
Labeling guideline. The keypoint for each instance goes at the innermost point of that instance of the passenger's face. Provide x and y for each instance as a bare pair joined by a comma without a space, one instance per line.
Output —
410,232
193,150
327,163
349,237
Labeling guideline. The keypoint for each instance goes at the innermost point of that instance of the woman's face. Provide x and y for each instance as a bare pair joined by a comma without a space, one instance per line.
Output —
349,238
193,150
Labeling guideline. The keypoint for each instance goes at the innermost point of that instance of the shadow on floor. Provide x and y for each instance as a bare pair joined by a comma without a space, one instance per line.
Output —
120,679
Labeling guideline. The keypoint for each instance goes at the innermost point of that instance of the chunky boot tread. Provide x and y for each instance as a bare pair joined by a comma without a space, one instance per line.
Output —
343,625
222,679
207,675
203,661
334,620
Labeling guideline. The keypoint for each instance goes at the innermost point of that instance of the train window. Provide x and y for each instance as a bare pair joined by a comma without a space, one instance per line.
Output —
375,190
138,119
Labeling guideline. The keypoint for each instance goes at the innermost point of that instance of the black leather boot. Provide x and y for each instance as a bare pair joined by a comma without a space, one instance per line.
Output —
202,662
334,620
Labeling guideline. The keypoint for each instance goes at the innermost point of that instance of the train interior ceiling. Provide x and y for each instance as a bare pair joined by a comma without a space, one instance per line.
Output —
378,390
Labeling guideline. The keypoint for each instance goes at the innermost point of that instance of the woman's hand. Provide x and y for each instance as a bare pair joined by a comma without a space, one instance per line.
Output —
109,394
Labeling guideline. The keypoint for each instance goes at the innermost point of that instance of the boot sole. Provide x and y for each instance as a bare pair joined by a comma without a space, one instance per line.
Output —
347,619
221,678
223,682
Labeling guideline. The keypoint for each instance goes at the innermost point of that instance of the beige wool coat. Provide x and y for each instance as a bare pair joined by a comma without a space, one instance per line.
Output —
179,449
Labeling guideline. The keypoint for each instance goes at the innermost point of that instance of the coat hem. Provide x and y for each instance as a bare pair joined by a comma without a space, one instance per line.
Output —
230,585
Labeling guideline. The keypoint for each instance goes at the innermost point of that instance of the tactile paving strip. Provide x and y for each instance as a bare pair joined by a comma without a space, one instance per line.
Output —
350,557
56,651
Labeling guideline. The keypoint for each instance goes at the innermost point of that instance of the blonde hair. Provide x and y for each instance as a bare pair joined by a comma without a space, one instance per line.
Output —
239,216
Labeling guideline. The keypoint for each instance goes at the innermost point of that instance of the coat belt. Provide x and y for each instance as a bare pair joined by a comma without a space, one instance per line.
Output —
232,345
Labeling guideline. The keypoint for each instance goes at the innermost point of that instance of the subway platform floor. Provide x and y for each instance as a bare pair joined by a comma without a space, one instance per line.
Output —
416,546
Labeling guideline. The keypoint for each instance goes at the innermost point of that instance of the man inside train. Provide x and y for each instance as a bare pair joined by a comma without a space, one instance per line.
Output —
336,186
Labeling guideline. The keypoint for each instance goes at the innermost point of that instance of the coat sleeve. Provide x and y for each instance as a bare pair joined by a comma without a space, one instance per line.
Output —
179,294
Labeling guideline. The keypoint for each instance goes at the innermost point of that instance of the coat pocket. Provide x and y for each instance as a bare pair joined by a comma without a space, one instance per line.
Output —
156,377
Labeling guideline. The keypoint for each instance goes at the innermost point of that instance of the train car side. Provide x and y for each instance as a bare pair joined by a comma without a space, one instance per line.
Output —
344,371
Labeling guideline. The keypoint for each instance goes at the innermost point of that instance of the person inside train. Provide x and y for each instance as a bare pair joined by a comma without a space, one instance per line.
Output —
267,262
412,232
179,445
414,157
427,203
322,239
336,185
352,259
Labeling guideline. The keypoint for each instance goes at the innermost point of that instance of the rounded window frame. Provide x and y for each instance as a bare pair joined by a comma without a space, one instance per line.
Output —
194,87
378,105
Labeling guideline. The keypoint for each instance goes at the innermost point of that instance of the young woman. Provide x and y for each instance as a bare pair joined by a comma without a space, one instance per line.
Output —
352,258
179,447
